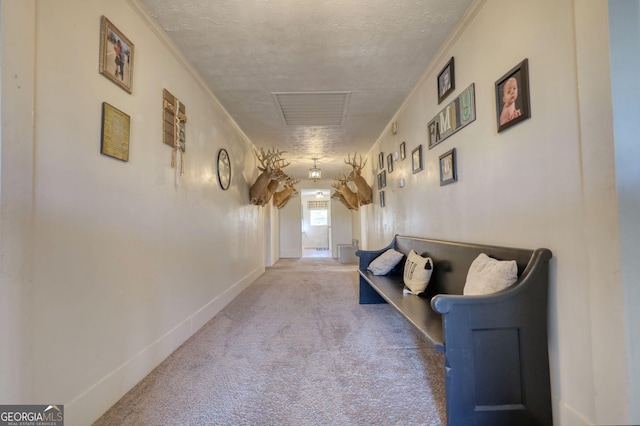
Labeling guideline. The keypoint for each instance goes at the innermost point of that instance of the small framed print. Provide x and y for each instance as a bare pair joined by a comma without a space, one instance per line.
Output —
512,96
446,81
382,179
390,163
403,150
381,160
381,198
116,55
448,172
416,159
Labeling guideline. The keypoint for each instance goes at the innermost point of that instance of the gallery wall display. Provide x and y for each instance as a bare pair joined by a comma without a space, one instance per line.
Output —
116,55
455,116
448,168
512,96
116,127
446,81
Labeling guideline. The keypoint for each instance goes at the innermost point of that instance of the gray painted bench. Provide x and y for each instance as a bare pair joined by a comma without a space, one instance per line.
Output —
495,346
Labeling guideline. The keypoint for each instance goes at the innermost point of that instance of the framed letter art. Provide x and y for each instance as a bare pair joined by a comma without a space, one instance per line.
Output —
448,172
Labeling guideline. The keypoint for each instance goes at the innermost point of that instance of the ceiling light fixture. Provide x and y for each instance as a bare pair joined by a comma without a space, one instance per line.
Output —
315,174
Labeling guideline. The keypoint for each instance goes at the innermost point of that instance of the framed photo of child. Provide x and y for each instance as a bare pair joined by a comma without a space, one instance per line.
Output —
116,55
512,96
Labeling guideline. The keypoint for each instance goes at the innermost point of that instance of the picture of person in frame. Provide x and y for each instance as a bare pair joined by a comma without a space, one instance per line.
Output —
509,97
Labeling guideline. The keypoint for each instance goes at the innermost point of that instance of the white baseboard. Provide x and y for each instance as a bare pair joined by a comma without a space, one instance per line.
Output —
565,415
98,398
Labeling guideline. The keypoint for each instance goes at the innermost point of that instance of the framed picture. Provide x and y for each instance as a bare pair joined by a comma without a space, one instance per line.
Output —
381,198
382,179
116,127
512,96
403,150
446,81
116,55
390,163
416,159
381,160
448,173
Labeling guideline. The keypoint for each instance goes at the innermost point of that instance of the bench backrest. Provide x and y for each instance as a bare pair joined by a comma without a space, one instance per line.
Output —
452,260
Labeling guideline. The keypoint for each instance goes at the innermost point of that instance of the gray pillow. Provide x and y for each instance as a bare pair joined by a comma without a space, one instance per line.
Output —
384,263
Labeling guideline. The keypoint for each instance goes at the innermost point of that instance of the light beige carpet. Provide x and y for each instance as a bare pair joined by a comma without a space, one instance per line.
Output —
295,348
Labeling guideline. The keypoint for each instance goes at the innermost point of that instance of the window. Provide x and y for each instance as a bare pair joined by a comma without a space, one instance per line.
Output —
318,218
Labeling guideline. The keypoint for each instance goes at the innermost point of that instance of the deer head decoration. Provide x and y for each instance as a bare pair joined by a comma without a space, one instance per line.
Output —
281,198
267,182
365,193
345,194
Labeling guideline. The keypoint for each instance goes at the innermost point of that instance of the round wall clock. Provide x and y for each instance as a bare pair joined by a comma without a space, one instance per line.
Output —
224,169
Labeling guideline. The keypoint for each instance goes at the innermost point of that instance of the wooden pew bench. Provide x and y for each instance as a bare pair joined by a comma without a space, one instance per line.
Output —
495,345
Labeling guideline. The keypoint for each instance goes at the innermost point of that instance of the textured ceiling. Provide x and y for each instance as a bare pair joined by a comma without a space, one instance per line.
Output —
247,51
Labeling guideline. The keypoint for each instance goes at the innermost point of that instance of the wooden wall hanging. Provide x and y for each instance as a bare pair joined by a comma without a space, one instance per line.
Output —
173,134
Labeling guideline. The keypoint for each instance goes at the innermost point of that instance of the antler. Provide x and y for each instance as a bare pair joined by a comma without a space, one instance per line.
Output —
354,164
270,160
278,164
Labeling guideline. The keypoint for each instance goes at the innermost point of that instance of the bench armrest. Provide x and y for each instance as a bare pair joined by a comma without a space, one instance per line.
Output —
532,282
367,256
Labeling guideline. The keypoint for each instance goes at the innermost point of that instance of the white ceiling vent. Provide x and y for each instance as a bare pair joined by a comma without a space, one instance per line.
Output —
312,108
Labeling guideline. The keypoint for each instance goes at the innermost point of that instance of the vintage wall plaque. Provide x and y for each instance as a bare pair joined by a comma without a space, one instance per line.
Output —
173,132
115,133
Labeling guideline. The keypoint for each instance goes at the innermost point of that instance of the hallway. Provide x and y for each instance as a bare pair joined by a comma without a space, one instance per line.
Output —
295,348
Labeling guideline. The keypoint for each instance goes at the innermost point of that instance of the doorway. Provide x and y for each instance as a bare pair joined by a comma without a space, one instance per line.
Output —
316,223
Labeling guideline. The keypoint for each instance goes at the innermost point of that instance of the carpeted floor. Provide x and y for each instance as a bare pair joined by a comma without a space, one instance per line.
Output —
295,348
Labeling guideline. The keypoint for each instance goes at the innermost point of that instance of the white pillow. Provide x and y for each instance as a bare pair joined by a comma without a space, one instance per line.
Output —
487,275
417,272
384,263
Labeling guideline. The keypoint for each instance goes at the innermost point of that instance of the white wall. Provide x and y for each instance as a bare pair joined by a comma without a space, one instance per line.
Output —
127,259
16,200
271,234
624,20
341,225
291,229
546,182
